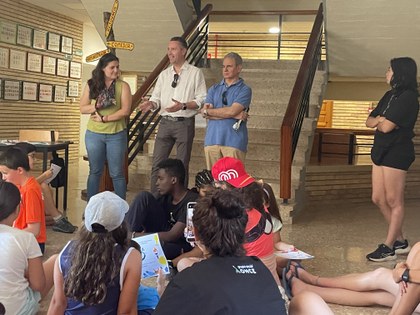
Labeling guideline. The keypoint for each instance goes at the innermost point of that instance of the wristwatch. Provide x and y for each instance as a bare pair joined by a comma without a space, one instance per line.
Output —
184,106
404,276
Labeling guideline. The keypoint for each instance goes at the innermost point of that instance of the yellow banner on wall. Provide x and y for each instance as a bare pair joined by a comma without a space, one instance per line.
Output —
120,45
97,55
111,18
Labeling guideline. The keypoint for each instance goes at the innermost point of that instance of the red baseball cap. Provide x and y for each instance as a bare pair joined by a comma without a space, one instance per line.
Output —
232,171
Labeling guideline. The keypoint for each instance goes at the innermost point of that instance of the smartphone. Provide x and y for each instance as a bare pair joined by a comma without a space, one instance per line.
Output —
189,229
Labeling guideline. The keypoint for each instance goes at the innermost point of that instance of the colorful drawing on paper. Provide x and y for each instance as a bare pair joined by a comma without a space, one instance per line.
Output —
153,257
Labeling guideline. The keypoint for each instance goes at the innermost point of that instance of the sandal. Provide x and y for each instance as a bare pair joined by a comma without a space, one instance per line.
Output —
297,265
287,282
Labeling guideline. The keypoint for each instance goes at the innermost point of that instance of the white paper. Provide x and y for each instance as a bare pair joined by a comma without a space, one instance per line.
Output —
152,256
293,253
55,169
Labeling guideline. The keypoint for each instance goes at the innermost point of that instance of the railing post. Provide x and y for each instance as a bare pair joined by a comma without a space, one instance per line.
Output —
279,37
285,162
216,41
351,149
207,41
320,139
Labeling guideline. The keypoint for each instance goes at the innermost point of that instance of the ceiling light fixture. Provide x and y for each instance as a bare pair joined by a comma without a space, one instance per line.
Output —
274,30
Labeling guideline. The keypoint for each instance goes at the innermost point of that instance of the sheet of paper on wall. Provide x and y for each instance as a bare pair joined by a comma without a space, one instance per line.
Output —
152,256
55,169
293,253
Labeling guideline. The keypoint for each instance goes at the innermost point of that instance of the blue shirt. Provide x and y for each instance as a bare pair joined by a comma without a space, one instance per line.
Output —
220,131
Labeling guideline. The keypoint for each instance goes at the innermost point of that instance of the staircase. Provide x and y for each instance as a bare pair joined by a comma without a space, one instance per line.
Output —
271,83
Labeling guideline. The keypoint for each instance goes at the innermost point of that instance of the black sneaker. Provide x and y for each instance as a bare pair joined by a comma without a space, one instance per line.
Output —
64,226
382,253
401,247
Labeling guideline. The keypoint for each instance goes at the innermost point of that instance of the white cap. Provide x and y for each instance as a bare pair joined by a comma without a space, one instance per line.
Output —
106,209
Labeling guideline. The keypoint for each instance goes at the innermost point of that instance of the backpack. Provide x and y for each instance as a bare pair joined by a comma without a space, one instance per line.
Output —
59,180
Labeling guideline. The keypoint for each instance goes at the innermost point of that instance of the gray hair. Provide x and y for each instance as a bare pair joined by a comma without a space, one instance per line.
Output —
235,56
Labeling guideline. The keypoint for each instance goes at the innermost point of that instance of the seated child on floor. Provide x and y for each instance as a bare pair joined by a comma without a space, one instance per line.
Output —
14,165
98,272
60,222
271,204
23,278
203,182
230,174
226,281
165,214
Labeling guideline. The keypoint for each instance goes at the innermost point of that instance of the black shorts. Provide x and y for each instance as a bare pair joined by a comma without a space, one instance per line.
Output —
399,156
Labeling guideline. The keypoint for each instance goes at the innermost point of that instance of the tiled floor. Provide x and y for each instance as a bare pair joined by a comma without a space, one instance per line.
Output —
338,235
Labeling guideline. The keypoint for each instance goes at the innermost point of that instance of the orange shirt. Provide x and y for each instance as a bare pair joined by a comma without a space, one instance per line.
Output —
31,208
264,245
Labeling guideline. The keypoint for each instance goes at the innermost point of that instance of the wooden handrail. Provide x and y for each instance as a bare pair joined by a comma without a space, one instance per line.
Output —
290,117
152,77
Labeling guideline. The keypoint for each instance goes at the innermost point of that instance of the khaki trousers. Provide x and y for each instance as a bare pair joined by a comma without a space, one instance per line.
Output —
215,152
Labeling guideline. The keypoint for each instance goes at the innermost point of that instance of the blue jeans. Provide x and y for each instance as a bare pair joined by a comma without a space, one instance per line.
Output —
109,147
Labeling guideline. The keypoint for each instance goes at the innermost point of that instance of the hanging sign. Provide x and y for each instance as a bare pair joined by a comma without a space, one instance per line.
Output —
111,18
120,45
97,55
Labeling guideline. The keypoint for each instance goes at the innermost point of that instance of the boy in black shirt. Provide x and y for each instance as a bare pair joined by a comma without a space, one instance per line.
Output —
165,215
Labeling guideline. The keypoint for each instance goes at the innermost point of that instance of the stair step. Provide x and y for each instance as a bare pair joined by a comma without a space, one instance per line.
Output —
256,151
268,122
255,135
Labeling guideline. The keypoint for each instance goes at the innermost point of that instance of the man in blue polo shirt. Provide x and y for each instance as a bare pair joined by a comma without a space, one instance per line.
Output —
225,109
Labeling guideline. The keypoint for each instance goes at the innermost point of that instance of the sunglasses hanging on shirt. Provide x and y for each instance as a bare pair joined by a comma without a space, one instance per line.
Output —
175,81
224,98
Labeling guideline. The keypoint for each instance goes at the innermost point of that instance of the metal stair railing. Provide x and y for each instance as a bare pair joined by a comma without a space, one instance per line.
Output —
142,125
298,106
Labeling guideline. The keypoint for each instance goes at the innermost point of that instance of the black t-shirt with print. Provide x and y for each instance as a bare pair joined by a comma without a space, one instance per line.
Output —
177,213
223,285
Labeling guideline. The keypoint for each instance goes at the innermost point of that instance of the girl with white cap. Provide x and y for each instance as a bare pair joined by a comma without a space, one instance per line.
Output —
98,272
